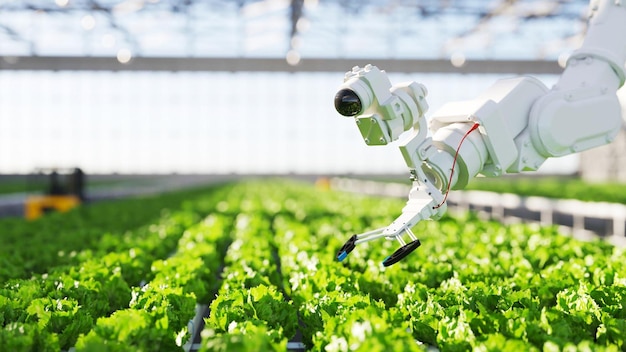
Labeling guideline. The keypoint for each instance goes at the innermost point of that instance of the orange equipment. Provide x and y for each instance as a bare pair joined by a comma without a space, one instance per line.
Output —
65,191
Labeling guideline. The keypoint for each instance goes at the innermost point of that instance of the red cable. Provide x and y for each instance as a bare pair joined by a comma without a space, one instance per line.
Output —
456,155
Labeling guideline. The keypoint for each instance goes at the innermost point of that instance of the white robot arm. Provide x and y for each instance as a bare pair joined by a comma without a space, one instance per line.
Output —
514,126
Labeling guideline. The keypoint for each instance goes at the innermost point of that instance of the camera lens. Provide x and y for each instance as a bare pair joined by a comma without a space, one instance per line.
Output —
347,103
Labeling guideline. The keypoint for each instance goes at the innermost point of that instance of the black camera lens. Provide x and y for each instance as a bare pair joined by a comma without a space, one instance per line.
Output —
348,103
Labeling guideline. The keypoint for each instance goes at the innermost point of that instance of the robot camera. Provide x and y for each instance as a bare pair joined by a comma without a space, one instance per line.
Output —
348,103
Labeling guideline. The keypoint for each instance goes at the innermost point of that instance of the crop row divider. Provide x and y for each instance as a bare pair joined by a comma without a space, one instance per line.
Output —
204,310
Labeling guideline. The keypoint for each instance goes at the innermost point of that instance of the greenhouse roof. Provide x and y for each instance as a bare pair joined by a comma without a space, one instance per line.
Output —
329,29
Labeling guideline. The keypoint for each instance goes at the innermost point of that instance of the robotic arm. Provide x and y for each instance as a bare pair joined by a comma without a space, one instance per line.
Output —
514,126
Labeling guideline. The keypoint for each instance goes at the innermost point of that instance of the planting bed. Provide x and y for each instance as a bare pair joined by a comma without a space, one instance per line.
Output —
260,256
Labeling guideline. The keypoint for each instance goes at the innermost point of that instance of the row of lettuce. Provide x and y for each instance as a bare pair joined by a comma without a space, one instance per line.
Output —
554,187
261,254
558,187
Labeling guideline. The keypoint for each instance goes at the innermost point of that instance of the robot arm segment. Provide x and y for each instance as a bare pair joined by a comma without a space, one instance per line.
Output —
582,111
502,112
607,22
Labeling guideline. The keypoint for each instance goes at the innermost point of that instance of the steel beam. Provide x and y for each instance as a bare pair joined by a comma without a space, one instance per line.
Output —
235,64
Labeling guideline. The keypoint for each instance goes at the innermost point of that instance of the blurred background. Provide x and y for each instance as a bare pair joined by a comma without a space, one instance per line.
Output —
157,87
